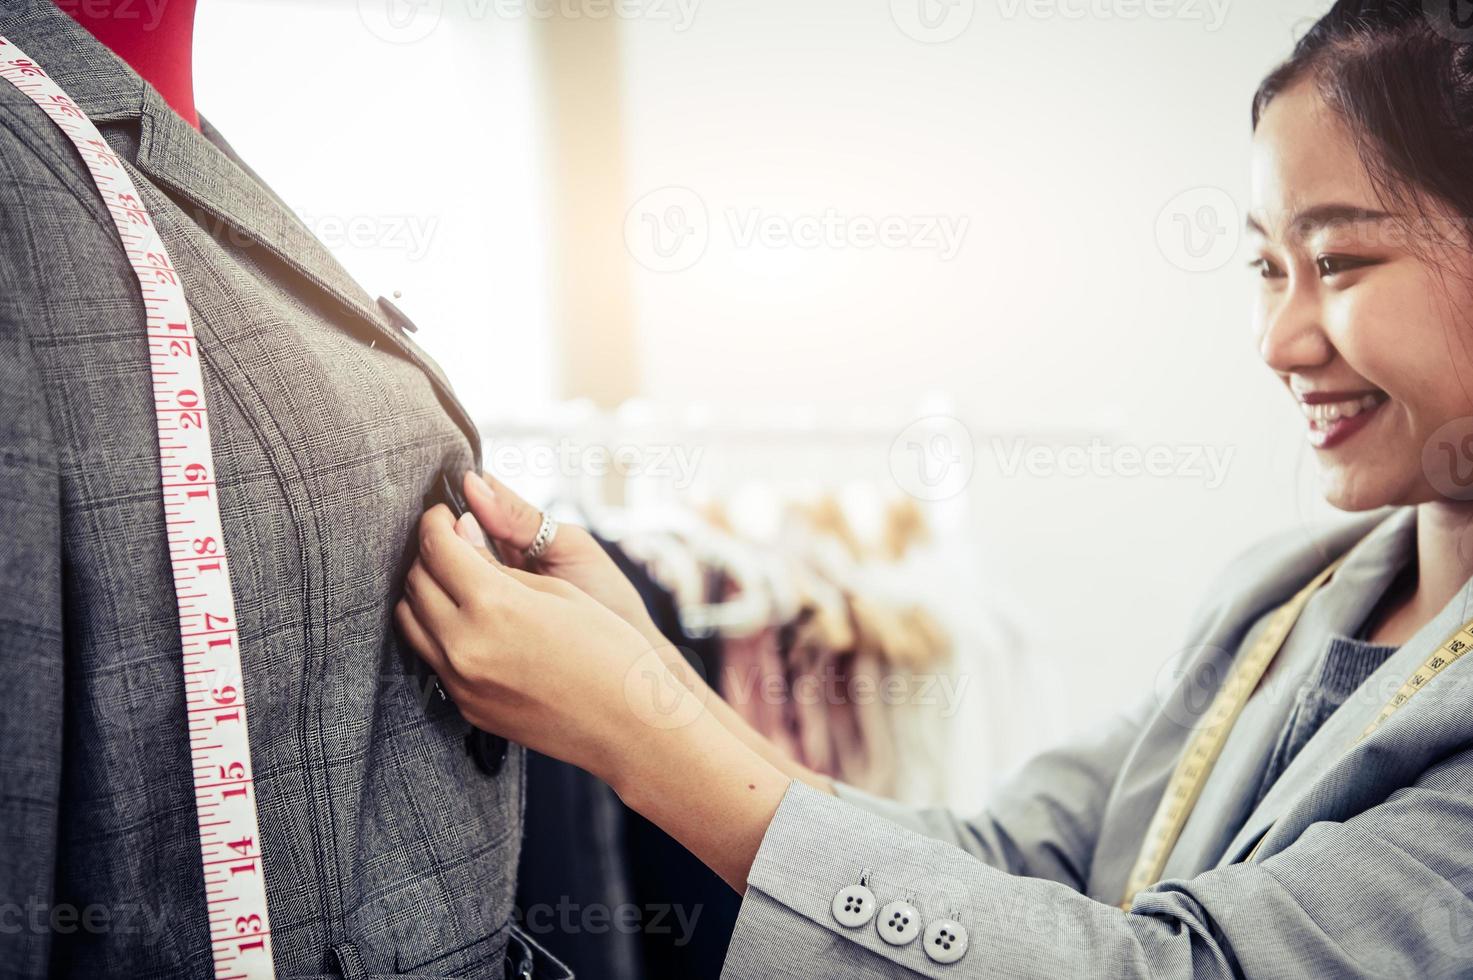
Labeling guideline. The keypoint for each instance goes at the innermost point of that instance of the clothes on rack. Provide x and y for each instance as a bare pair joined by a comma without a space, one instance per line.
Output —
828,641
818,651
586,858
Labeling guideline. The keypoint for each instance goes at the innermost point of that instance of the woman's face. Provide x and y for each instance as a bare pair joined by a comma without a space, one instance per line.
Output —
1368,324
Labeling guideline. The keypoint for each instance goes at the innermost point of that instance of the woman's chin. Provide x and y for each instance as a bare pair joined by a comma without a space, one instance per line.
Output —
1346,489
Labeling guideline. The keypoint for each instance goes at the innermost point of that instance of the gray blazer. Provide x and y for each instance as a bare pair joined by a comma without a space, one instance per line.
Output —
1365,867
388,850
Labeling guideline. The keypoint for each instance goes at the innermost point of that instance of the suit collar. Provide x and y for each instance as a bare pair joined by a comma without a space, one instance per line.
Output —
209,175
1337,743
199,166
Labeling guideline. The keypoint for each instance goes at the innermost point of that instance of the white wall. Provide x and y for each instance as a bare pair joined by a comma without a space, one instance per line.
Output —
1060,140
412,146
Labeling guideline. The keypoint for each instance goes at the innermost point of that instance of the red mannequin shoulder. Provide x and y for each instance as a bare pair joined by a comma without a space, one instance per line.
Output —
157,40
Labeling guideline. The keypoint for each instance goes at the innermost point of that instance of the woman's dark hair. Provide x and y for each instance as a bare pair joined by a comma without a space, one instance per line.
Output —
1400,74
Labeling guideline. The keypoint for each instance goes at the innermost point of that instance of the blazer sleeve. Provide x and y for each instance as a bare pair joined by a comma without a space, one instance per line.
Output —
1045,821
31,635
1384,893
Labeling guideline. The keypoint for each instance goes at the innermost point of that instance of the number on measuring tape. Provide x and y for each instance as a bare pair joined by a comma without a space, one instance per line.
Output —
219,742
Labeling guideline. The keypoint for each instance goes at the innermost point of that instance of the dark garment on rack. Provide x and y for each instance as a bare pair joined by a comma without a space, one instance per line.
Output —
573,877
698,909
585,856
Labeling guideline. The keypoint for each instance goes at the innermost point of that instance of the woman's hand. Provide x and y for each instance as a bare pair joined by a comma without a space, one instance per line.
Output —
535,658
574,556
539,661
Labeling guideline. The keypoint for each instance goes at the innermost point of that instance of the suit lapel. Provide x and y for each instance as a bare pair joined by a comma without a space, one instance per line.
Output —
226,195
172,154
177,157
1336,744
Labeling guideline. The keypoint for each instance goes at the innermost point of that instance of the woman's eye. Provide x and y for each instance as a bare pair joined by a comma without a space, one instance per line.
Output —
1265,268
1330,265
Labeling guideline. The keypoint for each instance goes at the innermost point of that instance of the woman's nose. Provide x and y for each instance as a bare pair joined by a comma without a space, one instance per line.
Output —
1291,333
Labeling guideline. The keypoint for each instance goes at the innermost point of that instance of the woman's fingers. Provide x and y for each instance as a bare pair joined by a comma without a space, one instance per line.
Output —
543,583
507,517
470,532
504,515
421,639
431,603
463,574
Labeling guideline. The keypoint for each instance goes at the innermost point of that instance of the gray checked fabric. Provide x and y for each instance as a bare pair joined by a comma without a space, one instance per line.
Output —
388,850
1365,868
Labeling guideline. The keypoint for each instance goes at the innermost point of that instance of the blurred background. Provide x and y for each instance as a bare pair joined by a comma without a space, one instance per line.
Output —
965,272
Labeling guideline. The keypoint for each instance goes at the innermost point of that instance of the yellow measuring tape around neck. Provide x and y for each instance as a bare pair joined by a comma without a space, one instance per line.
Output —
1206,744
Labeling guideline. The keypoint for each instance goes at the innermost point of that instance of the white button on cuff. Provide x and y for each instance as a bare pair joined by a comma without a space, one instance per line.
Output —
946,941
899,923
854,906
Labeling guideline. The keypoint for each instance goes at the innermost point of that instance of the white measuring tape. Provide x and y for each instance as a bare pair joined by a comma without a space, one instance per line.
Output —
219,742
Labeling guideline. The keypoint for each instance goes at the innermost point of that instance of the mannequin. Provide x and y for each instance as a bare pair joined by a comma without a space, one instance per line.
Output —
155,37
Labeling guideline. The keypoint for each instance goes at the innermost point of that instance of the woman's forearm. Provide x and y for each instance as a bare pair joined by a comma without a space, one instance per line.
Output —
738,726
705,787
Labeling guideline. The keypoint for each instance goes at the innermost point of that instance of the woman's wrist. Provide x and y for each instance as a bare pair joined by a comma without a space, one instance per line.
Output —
703,786
733,721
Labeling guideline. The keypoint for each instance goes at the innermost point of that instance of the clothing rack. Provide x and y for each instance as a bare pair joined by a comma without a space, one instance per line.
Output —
620,858
793,445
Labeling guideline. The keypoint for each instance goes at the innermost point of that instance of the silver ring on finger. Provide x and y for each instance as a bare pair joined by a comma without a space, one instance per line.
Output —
546,532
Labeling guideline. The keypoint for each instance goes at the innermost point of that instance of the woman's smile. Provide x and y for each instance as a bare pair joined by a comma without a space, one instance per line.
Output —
1335,416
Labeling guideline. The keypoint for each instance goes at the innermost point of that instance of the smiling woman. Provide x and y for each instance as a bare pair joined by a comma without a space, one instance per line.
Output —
1328,834
1364,253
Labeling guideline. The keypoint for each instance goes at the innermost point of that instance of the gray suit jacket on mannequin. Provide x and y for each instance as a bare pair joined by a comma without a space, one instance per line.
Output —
388,849
1365,867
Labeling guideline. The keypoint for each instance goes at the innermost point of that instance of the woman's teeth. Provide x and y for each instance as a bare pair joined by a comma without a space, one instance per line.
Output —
1327,412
